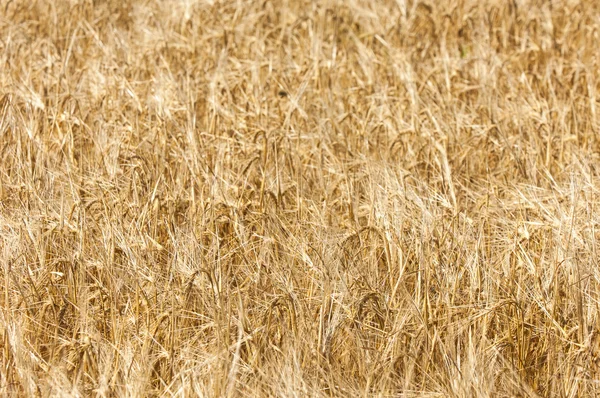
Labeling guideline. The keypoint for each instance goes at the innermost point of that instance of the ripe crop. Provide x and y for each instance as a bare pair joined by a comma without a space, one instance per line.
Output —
299,198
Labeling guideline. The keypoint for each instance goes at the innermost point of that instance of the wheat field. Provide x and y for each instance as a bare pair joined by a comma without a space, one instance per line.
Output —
294,198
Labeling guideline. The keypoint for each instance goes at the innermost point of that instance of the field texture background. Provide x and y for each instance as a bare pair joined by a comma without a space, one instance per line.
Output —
299,198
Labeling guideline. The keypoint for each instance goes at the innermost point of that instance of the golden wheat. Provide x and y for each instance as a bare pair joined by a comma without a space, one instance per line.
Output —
299,198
